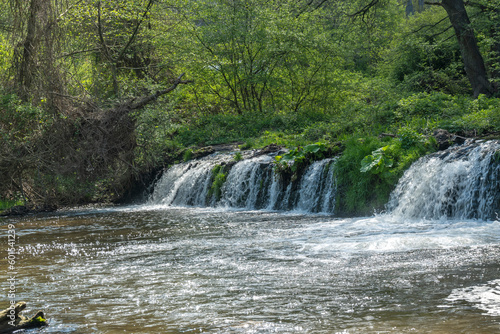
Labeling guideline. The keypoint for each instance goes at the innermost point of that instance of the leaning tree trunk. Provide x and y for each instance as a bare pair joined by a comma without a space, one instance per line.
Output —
473,61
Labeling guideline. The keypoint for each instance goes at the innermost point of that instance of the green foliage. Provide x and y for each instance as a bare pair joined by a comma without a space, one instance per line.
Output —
231,127
356,190
6,203
218,179
430,59
369,168
479,117
298,158
122,39
377,162
435,105
257,56
265,72
5,55
238,156
155,131
188,155
249,143
409,137
20,121
485,17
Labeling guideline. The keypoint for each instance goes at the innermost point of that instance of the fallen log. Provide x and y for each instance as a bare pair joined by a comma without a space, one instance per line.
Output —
11,320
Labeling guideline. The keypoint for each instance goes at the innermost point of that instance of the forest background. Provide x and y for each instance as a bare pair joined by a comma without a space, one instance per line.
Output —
97,97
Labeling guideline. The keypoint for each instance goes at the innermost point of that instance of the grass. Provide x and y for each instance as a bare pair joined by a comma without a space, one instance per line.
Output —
7,204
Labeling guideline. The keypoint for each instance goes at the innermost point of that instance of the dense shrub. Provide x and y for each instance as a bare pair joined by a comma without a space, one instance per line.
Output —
369,169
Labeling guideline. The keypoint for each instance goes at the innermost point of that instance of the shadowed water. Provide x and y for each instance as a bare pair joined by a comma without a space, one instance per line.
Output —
180,270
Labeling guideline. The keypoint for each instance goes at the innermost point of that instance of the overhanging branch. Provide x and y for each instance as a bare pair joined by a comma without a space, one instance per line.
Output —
153,97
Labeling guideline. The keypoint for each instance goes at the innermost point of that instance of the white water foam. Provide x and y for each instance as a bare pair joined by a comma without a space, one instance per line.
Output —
462,183
485,297
317,188
186,184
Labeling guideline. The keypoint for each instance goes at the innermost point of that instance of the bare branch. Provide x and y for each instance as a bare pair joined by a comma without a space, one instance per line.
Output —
153,97
363,11
432,3
78,52
131,39
101,36
430,25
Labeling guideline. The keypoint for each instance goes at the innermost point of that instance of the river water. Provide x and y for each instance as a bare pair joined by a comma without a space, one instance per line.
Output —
154,269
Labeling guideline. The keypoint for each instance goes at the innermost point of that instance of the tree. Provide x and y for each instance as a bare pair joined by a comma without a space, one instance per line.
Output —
257,55
471,56
66,155
473,60
36,38
486,22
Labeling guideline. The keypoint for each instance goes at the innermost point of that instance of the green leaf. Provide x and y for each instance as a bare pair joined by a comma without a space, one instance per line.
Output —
367,163
288,156
313,148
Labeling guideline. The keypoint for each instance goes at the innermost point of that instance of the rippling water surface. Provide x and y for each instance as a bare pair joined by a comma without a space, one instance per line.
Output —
178,270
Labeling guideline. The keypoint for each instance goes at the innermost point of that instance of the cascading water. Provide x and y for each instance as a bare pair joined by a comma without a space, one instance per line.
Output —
246,184
250,184
461,182
186,183
317,188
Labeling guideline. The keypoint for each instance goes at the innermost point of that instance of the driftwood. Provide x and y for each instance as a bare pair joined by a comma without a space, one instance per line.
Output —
11,320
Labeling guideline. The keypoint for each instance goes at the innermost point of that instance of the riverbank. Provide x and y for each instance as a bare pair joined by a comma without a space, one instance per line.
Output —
405,127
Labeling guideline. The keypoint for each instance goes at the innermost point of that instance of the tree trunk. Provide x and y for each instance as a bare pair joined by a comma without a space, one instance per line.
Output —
409,8
473,61
420,6
27,63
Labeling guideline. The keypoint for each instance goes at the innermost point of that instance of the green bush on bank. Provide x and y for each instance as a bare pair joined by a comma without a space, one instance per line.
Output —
219,175
370,167
296,160
7,204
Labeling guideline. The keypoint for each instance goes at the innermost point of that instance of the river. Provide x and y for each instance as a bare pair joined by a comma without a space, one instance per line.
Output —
163,269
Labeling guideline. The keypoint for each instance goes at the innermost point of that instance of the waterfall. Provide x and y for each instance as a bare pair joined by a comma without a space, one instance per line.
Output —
317,187
250,184
461,182
187,183
246,183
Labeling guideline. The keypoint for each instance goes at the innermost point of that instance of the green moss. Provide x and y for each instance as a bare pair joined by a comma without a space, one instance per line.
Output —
188,155
38,321
6,204
238,156
218,179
